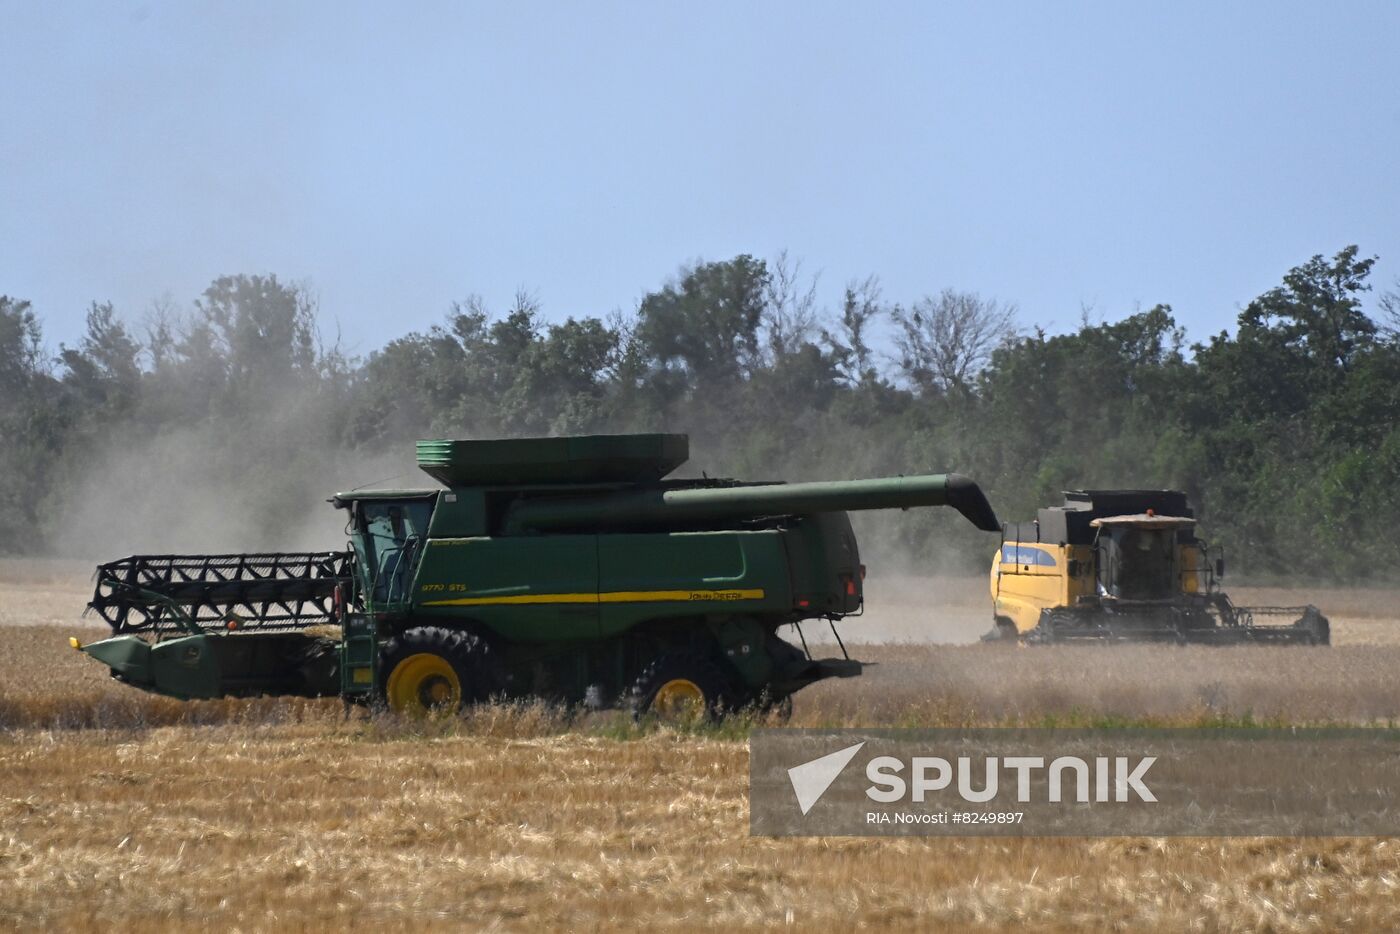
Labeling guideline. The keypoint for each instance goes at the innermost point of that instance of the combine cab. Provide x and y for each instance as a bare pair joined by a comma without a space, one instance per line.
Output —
1126,565
564,568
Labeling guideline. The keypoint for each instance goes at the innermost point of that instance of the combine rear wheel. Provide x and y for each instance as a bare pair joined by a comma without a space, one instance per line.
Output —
433,669
680,687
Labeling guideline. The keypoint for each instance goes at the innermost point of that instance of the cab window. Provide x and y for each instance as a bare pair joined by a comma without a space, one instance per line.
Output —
394,531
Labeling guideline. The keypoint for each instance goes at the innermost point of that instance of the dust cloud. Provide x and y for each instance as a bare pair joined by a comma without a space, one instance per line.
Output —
195,491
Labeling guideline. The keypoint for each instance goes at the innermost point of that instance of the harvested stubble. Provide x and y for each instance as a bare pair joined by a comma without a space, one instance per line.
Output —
44,685
502,821
123,811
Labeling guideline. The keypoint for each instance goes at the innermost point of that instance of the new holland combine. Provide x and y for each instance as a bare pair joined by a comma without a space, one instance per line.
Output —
1127,565
563,568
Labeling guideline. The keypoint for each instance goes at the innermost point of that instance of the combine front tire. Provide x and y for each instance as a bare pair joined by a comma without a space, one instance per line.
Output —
429,669
1049,628
681,687
1003,630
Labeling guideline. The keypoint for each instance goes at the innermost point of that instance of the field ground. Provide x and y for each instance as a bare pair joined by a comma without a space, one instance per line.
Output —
123,811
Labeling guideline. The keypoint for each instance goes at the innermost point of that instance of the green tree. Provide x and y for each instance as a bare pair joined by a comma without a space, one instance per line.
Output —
1316,313
32,426
849,338
703,331
944,341
103,373
20,355
265,329
560,379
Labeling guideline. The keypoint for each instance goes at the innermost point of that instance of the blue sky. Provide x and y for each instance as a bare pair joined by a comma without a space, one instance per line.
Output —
397,157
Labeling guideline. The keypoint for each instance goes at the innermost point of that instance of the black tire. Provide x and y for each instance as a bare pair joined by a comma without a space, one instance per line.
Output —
1047,628
717,695
319,668
1319,629
1003,630
466,654
779,711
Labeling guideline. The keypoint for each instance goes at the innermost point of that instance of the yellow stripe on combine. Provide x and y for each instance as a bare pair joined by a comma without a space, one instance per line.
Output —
613,596
517,599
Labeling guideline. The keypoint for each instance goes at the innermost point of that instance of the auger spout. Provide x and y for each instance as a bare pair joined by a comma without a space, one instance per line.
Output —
657,507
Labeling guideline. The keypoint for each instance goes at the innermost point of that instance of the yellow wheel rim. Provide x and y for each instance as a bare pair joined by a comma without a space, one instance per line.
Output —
422,683
678,699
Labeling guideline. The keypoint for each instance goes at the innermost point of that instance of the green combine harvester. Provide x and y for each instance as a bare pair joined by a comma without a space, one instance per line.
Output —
562,568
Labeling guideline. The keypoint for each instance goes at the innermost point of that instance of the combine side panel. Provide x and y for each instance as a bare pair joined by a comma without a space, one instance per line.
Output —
259,592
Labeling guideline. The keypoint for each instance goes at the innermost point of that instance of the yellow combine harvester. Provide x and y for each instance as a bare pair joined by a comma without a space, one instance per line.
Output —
1126,565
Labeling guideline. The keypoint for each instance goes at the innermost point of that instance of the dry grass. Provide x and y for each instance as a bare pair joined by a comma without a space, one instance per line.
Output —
292,826
123,811
47,592
959,611
1001,685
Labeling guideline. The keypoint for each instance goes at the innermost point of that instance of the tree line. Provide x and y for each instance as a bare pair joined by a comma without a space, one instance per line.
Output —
1285,433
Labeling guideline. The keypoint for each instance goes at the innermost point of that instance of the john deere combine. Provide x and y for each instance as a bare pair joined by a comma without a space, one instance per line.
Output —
1126,565
564,568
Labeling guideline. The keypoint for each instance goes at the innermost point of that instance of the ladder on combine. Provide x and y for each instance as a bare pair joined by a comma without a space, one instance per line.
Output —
266,592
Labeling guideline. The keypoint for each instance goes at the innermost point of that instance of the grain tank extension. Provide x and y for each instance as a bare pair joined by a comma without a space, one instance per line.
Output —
564,568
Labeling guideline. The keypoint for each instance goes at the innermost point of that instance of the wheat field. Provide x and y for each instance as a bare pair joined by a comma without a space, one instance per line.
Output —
120,811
